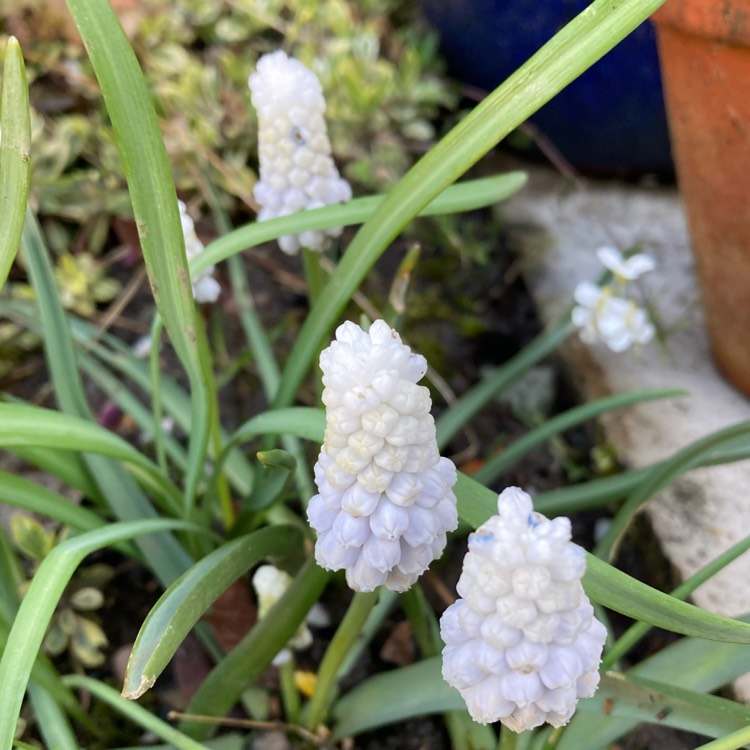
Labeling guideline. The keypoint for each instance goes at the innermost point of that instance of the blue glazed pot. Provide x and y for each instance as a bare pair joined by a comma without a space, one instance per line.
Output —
612,118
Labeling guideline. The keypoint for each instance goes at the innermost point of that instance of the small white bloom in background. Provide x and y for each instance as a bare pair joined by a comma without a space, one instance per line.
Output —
615,321
522,642
270,585
296,168
142,347
625,269
205,286
385,497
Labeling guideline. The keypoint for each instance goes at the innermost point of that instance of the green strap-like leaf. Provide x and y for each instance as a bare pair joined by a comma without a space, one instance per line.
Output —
559,423
38,606
25,425
22,493
395,696
576,47
711,666
183,603
152,193
135,713
15,155
226,682
465,196
618,591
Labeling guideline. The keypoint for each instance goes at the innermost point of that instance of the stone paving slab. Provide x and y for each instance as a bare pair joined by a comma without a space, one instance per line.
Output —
557,228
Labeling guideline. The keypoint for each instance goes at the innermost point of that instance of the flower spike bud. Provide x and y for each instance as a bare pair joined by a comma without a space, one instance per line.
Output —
522,644
385,499
205,286
296,168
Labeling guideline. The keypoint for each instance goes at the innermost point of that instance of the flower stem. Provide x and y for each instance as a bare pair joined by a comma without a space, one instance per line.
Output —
289,692
345,636
508,739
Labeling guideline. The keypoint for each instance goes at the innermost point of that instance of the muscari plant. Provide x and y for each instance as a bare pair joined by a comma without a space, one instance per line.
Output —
525,645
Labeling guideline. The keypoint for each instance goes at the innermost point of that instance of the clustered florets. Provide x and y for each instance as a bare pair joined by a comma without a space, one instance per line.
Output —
522,643
385,497
205,286
296,168
608,314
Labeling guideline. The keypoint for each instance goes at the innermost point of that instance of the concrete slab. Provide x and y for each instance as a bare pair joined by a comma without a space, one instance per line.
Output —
557,227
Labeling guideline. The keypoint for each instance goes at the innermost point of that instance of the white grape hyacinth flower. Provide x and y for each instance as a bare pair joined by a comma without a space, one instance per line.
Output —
522,644
296,168
205,286
625,269
270,585
604,317
385,499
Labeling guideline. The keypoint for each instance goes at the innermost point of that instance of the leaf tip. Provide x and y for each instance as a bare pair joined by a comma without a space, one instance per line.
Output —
145,684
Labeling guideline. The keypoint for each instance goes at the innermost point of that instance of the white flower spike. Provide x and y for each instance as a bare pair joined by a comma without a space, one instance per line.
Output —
296,168
625,269
205,286
385,497
601,316
522,644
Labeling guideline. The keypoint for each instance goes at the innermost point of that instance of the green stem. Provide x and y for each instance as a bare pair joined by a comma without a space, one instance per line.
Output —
417,611
289,693
316,281
508,739
345,636
314,275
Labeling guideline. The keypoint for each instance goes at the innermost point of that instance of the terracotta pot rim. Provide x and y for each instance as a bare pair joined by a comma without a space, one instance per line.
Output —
727,21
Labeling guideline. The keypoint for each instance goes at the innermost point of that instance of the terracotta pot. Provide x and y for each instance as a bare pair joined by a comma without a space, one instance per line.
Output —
704,47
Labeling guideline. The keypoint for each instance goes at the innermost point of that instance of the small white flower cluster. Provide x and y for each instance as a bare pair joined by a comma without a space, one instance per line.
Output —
606,313
270,585
522,644
385,497
205,286
296,168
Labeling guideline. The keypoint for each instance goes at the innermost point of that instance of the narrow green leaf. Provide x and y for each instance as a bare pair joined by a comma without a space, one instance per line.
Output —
478,396
133,712
67,467
576,47
225,683
167,558
390,697
603,490
303,421
499,464
22,493
37,607
34,426
152,193
656,702
183,603
733,741
297,421
465,196
685,459
618,591
15,155
51,720
690,663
